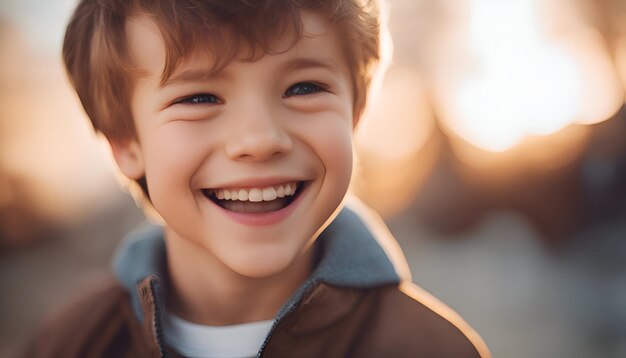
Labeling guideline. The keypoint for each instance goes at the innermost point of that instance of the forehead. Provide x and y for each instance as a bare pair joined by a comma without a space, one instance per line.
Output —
148,51
145,44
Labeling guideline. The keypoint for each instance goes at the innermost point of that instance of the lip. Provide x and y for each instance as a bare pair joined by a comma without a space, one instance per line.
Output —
265,219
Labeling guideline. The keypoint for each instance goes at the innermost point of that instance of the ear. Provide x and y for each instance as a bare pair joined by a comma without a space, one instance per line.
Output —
355,120
129,157
357,112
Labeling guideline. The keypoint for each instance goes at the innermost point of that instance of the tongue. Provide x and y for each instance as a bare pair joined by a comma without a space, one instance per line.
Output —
251,207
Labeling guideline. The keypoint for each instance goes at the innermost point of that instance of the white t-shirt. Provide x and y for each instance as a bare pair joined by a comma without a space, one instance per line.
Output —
196,340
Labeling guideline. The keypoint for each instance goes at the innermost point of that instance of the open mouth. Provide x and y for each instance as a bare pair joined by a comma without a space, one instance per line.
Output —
256,200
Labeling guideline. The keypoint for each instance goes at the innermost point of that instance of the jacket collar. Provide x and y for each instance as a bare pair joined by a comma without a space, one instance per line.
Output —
351,257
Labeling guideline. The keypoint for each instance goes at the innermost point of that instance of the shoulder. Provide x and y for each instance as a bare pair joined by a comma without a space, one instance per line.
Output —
94,319
417,320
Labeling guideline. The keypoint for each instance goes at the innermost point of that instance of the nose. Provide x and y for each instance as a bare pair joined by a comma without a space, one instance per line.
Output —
257,136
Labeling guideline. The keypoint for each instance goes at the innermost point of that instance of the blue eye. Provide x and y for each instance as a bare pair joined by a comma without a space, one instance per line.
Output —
302,89
201,98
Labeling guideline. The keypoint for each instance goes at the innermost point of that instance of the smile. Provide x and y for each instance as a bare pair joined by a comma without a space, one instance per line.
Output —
255,200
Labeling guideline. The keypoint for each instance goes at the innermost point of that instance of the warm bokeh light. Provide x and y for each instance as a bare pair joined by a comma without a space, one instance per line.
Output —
399,120
602,92
519,82
391,142
49,156
620,59
532,156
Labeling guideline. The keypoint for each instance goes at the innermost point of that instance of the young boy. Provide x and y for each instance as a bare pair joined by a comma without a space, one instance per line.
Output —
235,118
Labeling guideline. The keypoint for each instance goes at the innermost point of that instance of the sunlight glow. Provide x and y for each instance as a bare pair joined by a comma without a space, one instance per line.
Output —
61,171
621,59
399,120
392,143
518,82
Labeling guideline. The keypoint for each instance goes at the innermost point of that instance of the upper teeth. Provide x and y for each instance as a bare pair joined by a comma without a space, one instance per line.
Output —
256,194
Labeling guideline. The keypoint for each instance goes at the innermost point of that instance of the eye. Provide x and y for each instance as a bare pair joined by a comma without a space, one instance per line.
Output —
303,89
200,98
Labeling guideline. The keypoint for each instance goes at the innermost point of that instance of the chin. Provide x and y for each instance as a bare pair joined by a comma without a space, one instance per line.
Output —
265,265
259,269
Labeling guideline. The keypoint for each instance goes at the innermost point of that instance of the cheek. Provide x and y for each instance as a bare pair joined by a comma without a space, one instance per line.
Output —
175,153
338,154
333,147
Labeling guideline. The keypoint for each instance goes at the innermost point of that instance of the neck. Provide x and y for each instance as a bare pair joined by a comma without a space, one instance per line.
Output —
202,289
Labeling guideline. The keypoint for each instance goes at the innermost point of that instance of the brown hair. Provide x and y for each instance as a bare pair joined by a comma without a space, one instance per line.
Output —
96,57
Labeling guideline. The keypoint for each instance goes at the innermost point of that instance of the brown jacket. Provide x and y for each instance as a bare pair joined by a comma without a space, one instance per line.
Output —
354,305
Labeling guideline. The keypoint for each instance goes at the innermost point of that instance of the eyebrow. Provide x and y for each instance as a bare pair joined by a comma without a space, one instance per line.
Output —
205,74
303,63
194,75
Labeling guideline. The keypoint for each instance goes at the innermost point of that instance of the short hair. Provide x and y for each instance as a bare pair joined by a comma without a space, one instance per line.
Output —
97,61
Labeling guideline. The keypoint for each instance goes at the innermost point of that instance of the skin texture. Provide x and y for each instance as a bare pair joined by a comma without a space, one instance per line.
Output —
282,118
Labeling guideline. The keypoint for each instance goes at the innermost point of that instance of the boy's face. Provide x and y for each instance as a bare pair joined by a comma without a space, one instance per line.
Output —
259,129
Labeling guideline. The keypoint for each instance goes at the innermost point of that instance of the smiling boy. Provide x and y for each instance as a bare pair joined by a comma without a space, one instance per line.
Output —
236,120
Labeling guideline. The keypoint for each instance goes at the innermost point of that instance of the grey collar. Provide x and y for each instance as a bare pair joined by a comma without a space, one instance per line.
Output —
350,257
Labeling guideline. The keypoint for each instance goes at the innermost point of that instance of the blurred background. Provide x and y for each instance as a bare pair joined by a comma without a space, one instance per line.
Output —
496,152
